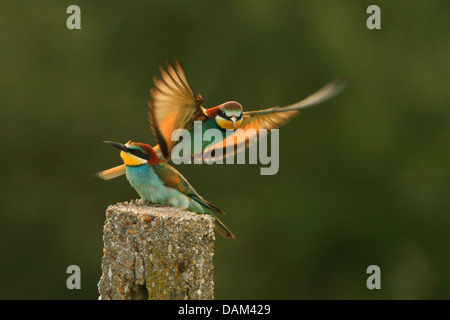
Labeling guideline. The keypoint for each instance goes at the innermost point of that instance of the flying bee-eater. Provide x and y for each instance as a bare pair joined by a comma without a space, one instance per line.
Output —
158,182
173,105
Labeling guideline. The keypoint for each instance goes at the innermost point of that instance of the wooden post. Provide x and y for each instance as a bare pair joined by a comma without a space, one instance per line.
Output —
156,252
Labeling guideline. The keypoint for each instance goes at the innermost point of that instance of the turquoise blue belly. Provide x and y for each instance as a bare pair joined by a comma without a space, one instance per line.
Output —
151,188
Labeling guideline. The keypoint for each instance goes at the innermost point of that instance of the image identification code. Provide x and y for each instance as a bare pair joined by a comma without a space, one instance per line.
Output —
226,309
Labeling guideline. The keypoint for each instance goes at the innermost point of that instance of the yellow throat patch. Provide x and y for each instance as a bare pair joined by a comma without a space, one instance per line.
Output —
227,124
131,160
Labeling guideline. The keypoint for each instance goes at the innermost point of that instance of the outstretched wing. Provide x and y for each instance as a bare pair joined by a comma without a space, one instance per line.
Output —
327,92
271,118
172,105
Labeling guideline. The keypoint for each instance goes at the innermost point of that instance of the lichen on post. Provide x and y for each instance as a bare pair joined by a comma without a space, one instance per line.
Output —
156,252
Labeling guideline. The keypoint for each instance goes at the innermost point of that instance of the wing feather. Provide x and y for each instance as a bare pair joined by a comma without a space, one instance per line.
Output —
268,119
325,93
172,105
174,179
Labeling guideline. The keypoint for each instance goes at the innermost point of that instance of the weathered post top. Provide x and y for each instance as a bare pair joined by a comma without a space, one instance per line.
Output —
156,252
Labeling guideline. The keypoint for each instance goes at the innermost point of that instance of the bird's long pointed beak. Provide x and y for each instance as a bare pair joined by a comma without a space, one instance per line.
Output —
233,118
117,145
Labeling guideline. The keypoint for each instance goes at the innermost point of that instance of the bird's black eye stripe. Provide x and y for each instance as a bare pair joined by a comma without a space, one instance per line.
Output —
221,113
139,153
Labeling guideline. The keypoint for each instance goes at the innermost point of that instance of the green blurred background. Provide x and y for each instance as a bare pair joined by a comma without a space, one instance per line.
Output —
364,179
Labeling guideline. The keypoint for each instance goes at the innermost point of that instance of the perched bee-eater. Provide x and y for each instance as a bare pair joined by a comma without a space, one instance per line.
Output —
173,105
158,182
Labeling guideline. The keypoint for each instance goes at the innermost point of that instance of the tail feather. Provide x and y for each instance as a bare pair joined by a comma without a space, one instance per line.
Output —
219,226
222,229
213,210
112,173
205,203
